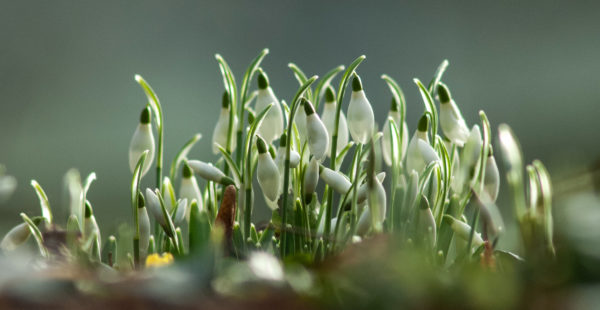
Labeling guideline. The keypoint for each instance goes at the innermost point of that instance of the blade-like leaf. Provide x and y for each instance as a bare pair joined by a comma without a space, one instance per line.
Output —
429,107
182,154
228,80
438,76
234,169
323,83
37,234
44,203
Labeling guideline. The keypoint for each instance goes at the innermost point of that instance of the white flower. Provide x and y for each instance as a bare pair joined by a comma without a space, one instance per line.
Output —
377,204
90,225
189,188
280,158
491,182
386,143
209,172
220,132
311,179
463,231
469,157
168,193
420,153
300,121
153,205
144,224
361,121
328,118
182,206
272,125
16,236
451,120
318,139
142,140
426,222
265,266
267,173
335,179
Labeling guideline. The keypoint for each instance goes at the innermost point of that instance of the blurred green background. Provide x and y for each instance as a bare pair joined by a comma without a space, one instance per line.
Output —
68,97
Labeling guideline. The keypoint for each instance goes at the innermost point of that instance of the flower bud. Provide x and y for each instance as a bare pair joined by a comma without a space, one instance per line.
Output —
335,179
272,125
328,118
142,140
451,120
420,153
182,206
267,173
386,144
463,230
153,205
361,120
311,179
209,172
17,236
377,204
469,157
144,224
222,128
318,139
426,222
168,193
491,182
189,188
91,227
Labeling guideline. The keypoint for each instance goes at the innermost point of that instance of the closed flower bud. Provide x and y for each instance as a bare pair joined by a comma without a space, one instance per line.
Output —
153,206
318,139
168,193
386,143
182,206
209,172
144,224
491,182
463,231
335,179
189,188
221,129
142,140
267,172
17,236
90,225
363,190
469,157
426,222
361,120
328,118
272,125
377,204
420,153
451,120
311,179
300,121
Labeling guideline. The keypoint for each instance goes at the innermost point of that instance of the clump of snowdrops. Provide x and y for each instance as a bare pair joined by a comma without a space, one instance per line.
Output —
328,174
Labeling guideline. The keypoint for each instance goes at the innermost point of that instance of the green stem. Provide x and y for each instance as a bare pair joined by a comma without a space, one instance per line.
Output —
354,209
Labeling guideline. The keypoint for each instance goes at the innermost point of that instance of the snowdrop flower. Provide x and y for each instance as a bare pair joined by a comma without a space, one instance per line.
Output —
491,182
469,158
17,235
463,231
426,222
363,190
386,143
280,156
142,140
209,172
300,121
220,133
90,225
311,179
182,206
144,224
321,227
189,188
361,120
328,118
267,173
153,205
272,125
420,153
335,179
318,139
451,120
373,215
168,193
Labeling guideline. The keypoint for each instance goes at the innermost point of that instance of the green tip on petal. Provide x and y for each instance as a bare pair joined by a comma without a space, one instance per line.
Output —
283,140
308,108
226,181
272,151
225,100
423,123
261,145
424,204
356,83
145,117
444,93
88,210
141,200
187,171
490,151
329,95
251,117
394,105
263,80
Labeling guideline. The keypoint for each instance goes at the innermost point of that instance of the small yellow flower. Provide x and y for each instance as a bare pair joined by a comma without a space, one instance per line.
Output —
156,260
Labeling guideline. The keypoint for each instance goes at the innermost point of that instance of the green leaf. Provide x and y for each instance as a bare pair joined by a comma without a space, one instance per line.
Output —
234,169
37,235
485,146
340,157
399,97
170,229
429,107
85,188
546,192
135,185
228,80
182,154
44,203
323,83
250,73
513,161
152,100
437,76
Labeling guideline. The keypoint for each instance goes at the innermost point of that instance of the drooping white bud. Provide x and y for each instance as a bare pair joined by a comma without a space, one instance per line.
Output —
386,143
377,204
153,206
144,224
335,179
451,120
267,173
361,120
91,227
328,118
142,140
426,223
189,188
222,127
420,153
463,231
363,190
318,139
311,178
209,172
182,206
300,121
272,125
469,157
168,193
491,182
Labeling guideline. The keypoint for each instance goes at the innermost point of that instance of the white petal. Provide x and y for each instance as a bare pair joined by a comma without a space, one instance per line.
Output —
206,170
144,222
268,176
452,123
361,120
318,140
15,237
311,177
189,190
142,140
491,184
336,180
328,118
220,132
272,125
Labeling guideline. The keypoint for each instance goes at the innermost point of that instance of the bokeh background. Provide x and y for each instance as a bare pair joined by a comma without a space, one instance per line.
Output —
68,98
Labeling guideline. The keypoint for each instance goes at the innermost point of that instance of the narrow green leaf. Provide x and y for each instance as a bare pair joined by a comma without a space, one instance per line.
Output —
437,76
513,160
182,154
546,191
250,73
323,83
429,107
228,80
399,96
44,203
37,235
152,100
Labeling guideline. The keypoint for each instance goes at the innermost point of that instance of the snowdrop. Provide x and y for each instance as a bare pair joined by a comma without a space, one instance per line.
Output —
363,190
426,222
328,118
311,179
318,139
280,158
267,173
90,225
420,153
361,121
17,235
272,125
220,132
386,143
469,158
144,224
189,188
209,172
463,231
491,182
142,140
451,120
374,214
153,205
181,211
335,179
168,193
